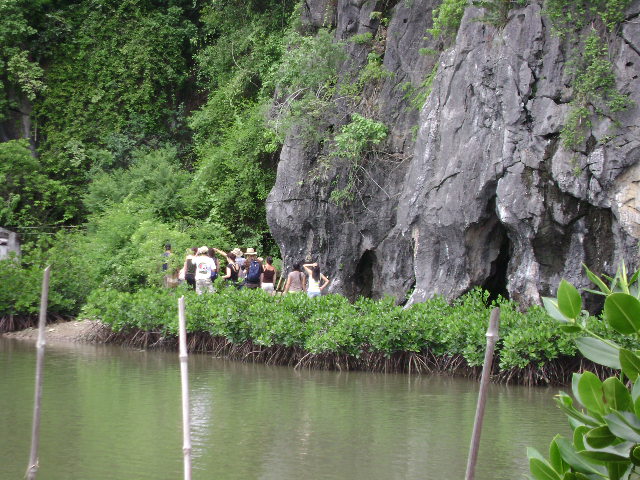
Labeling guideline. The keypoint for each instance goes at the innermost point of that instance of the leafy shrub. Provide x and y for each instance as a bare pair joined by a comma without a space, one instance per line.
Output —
606,430
447,17
332,325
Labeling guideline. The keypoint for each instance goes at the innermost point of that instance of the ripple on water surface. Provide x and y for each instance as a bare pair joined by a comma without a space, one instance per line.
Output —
112,413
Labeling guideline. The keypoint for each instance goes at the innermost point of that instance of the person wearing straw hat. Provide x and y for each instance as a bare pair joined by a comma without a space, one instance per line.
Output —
204,266
254,270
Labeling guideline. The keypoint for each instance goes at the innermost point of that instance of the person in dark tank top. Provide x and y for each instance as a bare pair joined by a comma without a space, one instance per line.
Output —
269,276
190,267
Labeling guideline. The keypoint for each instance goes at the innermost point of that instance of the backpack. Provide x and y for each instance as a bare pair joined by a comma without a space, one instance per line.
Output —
253,275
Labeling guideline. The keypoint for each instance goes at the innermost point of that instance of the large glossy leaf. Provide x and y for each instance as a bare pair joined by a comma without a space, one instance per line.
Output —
555,458
569,300
576,460
622,311
619,471
540,468
616,395
599,352
599,437
624,425
578,437
630,364
620,452
591,393
565,403
551,306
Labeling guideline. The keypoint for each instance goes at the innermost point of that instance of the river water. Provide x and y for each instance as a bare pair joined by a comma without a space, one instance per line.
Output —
113,413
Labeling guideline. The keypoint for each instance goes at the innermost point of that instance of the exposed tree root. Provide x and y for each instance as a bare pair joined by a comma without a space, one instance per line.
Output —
556,372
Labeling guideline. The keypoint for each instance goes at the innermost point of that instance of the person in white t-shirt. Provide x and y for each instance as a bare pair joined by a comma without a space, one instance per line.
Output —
204,266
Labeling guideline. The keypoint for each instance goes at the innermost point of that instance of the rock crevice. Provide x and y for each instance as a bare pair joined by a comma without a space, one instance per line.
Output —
487,195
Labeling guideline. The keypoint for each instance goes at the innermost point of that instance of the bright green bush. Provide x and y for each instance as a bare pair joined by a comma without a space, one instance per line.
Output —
21,288
332,325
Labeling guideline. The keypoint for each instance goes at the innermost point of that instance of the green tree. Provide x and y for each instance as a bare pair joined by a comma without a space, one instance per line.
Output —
27,196
20,75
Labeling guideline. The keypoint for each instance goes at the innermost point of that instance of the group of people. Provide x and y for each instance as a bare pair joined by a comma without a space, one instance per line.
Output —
247,270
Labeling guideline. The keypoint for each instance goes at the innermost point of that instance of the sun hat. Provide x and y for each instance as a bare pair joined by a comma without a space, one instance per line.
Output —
250,251
237,252
203,249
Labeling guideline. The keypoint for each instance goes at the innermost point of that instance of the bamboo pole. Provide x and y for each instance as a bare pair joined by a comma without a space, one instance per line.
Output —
32,469
184,374
492,338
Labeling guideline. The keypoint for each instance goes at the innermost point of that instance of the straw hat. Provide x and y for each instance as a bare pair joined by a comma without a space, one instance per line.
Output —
250,251
203,249
237,252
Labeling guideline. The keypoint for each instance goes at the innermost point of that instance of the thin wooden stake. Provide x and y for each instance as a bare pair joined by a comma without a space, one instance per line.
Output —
492,338
32,469
184,374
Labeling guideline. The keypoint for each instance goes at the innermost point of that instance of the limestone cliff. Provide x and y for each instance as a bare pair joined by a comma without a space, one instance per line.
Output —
476,187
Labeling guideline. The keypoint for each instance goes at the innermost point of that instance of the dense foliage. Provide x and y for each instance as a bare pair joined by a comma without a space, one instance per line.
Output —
112,84
149,123
332,325
606,430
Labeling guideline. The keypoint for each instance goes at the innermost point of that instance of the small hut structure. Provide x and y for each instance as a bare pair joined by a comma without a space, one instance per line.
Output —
8,243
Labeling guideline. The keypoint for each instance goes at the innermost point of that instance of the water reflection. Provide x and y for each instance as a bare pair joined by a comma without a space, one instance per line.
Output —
113,413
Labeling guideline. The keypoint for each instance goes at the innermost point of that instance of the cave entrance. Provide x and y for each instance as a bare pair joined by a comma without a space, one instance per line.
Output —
364,274
496,282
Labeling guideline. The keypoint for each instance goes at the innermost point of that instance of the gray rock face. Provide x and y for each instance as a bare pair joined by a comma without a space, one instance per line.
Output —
487,194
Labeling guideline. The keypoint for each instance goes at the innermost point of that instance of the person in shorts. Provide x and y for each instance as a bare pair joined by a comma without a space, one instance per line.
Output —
269,277
204,266
317,281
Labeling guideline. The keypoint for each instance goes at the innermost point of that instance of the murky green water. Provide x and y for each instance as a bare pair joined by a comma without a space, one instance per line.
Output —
111,413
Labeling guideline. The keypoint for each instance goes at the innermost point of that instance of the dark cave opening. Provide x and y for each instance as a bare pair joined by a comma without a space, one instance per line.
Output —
364,274
496,282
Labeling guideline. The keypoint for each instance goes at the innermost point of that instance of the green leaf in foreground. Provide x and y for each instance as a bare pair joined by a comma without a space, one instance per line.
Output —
630,364
591,393
569,300
622,311
624,425
551,306
597,281
578,462
616,395
599,352
539,467
600,437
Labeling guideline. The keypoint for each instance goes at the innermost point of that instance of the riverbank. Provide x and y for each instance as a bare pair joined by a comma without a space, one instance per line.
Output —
64,331
555,372
330,332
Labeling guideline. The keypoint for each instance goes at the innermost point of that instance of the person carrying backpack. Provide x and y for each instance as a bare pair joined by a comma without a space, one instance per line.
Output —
254,270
